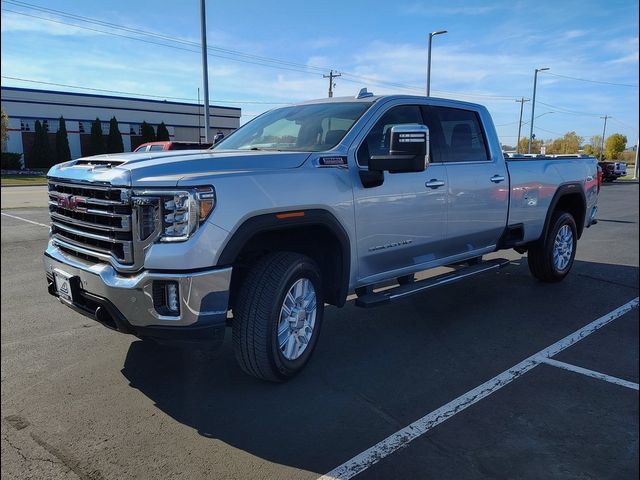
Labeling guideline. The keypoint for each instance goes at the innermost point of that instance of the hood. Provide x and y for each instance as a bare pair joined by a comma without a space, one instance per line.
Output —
167,168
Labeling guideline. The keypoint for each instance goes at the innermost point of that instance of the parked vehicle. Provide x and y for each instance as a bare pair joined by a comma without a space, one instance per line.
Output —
613,170
296,209
171,145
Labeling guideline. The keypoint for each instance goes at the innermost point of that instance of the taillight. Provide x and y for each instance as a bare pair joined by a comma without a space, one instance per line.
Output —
599,178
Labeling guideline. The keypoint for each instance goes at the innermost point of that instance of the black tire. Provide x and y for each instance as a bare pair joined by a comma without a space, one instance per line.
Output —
540,256
257,313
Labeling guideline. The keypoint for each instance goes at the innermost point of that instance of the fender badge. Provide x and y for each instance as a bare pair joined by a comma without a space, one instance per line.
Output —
332,161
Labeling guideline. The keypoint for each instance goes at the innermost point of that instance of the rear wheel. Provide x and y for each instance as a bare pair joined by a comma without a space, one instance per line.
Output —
552,259
278,315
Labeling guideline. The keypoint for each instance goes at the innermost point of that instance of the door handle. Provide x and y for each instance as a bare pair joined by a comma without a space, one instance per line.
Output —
497,179
434,183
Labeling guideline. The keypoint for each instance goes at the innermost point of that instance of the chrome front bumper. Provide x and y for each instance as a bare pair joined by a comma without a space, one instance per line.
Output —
204,295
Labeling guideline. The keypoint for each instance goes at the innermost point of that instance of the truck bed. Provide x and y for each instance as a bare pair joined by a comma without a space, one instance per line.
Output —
534,182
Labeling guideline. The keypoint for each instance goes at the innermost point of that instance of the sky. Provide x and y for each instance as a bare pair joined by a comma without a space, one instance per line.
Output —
264,54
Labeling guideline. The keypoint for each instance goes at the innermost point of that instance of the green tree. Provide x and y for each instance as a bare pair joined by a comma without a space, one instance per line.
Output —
162,134
114,140
40,153
594,147
614,146
5,129
96,141
570,142
63,153
148,134
523,145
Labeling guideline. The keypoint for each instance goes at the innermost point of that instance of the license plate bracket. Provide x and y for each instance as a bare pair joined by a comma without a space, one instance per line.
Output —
63,281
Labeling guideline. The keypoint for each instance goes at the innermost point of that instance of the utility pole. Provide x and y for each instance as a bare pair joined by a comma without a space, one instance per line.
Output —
604,129
205,72
521,102
533,104
331,76
199,126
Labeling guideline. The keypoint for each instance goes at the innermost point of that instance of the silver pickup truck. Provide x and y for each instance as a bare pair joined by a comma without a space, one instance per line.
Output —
297,209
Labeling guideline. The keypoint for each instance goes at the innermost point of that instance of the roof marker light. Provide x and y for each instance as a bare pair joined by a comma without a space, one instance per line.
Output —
364,93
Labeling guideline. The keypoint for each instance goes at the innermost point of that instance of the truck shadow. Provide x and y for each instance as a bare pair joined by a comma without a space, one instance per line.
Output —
377,370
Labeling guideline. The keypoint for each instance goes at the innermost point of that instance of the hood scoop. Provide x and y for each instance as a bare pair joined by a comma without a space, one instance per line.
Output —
88,162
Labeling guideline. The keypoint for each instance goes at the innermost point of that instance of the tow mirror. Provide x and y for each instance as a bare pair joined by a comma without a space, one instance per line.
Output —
408,152
218,136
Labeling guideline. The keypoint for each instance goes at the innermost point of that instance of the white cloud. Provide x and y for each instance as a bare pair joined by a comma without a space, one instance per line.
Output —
631,58
499,64
12,22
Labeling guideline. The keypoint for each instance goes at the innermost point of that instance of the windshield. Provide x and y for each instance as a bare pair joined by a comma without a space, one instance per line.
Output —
307,128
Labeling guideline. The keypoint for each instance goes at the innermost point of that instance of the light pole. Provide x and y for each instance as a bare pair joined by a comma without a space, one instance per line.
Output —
205,72
533,103
431,35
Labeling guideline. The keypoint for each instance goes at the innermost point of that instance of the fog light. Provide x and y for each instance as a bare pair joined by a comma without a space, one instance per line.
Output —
166,298
172,297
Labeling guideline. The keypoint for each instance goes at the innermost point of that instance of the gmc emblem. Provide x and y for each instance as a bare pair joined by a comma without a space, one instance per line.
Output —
72,202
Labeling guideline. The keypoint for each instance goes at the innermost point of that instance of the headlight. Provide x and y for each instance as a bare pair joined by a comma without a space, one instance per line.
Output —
179,212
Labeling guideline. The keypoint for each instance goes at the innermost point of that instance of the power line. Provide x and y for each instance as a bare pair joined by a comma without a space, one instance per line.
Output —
622,123
157,43
566,110
300,69
549,131
280,67
593,81
246,58
160,35
104,90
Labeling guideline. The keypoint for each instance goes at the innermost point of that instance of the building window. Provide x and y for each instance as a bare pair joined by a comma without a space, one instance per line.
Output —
27,125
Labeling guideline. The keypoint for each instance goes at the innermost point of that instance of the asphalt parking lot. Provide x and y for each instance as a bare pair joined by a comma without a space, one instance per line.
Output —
80,401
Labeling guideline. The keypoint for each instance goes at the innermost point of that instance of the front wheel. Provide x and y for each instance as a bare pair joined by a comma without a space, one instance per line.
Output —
552,259
278,315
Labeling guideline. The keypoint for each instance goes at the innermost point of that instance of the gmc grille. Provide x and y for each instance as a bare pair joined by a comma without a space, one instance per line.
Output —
92,221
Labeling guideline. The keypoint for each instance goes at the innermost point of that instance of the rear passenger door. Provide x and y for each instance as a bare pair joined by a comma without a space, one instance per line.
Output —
478,185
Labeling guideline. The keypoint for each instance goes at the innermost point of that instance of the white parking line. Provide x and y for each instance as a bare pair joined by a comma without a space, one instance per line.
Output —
589,373
25,220
403,437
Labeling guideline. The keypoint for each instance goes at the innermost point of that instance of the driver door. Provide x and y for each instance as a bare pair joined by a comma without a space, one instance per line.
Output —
401,223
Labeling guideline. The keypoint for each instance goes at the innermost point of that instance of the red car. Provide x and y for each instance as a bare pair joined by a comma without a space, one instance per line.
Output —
168,145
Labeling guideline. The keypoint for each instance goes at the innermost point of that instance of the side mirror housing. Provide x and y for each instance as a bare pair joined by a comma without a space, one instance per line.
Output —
408,152
218,136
